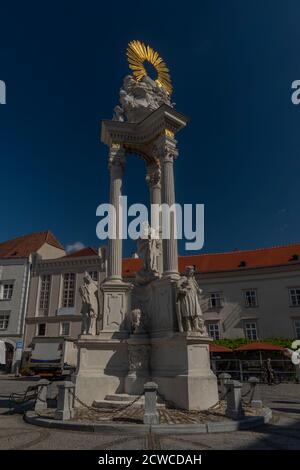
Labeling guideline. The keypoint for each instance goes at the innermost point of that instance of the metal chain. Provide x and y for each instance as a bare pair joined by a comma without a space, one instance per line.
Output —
111,412
247,393
224,395
20,398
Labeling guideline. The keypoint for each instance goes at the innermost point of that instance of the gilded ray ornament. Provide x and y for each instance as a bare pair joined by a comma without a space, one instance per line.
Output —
138,53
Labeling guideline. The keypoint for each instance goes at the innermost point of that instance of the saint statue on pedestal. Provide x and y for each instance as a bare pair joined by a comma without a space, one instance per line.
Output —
89,310
189,313
148,248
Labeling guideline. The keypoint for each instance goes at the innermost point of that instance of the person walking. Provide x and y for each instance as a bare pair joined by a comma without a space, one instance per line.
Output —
269,372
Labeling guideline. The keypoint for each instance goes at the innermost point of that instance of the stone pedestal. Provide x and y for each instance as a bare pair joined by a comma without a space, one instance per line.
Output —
151,415
180,366
139,358
102,366
41,400
234,408
116,305
65,401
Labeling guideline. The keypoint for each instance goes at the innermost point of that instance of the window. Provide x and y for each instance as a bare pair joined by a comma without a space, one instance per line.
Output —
250,330
294,296
94,275
297,328
45,294
6,291
69,290
250,298
4,320
65,329
41,329
215,300
214,330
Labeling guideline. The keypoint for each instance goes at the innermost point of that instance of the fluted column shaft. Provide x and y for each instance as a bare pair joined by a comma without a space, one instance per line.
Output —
168,154
116,167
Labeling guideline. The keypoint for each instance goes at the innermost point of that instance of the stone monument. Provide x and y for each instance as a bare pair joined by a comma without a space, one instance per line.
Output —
90,311
152,328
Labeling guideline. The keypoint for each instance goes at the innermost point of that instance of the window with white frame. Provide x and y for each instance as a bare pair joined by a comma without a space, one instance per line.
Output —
4,320
68,298
215,300
250,330
250,296
214,330
41,329
45,287
297,328
6,290
94,275
294,296
65,328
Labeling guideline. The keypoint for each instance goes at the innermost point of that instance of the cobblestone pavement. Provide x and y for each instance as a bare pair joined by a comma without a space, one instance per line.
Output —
283,433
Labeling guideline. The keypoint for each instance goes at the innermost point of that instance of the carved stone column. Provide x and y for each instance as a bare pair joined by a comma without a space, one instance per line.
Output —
116,293
153,180
116,167
168,154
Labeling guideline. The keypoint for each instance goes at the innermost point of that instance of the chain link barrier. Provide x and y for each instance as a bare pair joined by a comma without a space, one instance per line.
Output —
103,410
31,393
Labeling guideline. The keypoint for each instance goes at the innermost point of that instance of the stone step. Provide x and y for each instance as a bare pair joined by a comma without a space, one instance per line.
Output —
119,400
121,397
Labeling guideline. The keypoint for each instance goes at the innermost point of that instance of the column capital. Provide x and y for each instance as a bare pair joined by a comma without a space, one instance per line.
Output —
153,177
116,160
167,149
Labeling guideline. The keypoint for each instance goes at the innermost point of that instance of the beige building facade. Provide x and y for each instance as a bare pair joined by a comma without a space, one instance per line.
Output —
253,294
54,303
17,257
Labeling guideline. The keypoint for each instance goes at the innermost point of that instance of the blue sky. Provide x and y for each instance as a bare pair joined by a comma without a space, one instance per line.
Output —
232,64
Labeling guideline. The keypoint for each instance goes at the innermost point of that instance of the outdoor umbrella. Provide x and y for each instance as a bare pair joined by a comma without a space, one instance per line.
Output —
215,348
259,346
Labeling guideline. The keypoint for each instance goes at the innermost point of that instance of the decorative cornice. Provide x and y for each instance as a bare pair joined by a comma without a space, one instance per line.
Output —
137,136
65,263
53,319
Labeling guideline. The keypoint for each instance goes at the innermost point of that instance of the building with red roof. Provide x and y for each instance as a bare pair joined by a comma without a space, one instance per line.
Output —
17,257
245,293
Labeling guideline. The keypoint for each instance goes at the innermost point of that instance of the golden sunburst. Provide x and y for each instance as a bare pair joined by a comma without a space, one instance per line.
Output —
138,53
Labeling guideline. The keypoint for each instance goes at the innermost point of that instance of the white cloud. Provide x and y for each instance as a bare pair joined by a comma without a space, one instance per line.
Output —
74,247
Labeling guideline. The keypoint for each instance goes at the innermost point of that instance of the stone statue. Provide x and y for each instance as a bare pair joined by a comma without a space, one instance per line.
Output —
139,98
189,312
89,310
138,321
148,249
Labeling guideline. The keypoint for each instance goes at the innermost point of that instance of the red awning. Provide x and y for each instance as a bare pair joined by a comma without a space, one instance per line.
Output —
215,348
259,346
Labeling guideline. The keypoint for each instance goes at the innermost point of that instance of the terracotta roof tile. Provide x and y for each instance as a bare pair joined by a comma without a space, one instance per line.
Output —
87,251
231,261
22,247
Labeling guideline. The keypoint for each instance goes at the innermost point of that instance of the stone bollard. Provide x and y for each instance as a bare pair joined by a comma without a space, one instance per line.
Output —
65,401
234,408
151,415
41,401
224,377
255,398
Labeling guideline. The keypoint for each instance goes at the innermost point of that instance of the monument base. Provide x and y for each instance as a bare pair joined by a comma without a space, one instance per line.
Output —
112,363
102,366
181,367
